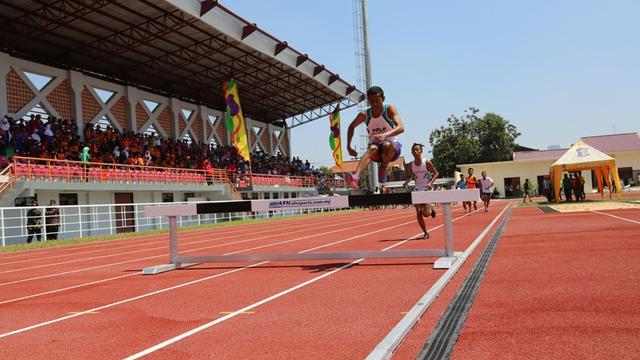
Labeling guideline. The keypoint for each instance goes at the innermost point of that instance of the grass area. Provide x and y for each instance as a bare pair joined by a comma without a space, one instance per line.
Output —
91,239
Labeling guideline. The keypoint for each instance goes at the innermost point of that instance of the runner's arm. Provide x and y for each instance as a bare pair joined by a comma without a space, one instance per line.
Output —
434,171
357,121
409,174
392,111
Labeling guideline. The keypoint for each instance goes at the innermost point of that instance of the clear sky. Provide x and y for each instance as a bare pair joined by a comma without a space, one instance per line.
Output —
558,70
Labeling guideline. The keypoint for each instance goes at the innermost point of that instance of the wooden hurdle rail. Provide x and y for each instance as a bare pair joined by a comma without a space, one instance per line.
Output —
446,255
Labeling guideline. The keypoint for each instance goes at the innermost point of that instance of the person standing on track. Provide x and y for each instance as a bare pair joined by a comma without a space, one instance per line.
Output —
383,125
423,171
485,185
472,183
462,184
527,190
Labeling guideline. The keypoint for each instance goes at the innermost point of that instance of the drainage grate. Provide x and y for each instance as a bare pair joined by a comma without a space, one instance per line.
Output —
443,338
547,209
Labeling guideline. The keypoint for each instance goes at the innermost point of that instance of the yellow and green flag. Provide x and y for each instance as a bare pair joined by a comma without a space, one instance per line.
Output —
334,137
235,120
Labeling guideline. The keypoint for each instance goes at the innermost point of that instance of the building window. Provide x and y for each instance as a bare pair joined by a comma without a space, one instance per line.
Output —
188,195
167,197
626,175
512,187
25,201
275,196
68,199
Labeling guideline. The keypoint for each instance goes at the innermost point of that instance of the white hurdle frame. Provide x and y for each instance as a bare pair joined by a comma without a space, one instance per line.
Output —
447,256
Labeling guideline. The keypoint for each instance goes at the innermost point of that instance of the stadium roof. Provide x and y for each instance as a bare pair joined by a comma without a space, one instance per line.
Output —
179,48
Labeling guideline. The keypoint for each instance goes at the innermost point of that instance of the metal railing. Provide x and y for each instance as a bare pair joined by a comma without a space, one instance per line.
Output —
253,179
50,170
79,221
6,180
35,169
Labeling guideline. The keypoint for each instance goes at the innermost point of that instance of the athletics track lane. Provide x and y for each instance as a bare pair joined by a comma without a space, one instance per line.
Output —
341,317
80,300
193,313
190,242
560,286
106,246
127,265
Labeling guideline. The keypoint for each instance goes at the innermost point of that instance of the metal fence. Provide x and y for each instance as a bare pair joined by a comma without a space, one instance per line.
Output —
78,221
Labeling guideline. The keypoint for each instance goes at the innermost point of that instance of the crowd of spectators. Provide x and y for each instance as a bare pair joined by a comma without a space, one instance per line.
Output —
58,139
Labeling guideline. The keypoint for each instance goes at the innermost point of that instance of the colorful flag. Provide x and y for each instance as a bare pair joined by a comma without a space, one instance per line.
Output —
235,120
334,138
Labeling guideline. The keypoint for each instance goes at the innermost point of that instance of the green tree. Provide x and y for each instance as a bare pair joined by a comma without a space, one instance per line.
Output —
497,137
325,170
470,138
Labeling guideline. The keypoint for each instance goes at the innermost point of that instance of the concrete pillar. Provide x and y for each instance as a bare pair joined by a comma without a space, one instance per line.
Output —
132,100
175,116
270,129
76,81
203,119
289,145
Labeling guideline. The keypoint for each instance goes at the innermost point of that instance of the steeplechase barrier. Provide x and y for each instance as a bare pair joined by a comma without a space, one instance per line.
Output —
446,197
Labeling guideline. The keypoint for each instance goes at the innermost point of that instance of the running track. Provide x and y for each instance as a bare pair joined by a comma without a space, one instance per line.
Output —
90,301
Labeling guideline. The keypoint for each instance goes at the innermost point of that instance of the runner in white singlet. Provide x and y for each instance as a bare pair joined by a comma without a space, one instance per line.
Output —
383,125
424,173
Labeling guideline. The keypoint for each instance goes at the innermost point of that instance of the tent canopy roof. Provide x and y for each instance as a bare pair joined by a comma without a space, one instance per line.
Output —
582,156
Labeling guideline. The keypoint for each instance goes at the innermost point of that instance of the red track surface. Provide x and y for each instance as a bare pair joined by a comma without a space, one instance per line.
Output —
341,316
559,286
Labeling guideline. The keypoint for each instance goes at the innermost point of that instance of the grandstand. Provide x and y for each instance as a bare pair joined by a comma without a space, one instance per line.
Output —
139,83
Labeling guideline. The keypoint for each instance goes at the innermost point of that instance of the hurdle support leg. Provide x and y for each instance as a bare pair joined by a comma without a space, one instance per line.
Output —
450,257
173,252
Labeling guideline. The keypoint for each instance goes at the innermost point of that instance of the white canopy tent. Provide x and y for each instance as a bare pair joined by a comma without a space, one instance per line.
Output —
582,156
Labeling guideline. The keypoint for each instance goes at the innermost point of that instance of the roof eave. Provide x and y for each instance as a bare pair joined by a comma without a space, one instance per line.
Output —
225,21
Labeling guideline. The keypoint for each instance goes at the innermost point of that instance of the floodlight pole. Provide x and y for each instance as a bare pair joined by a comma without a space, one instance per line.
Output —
373,167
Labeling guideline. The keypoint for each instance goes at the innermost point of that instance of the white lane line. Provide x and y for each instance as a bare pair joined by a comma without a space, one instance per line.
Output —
399,243
67,288
103,246
18,331
315,235
276,231
185,251
91,283
385,349
126,300
617,217
263,301
107,243
303,226
236,313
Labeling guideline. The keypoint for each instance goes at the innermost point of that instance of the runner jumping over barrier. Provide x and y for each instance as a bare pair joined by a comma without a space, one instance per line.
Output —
383,125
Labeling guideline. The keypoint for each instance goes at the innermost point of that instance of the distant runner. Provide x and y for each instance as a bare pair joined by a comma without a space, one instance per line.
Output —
486,183
423,171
